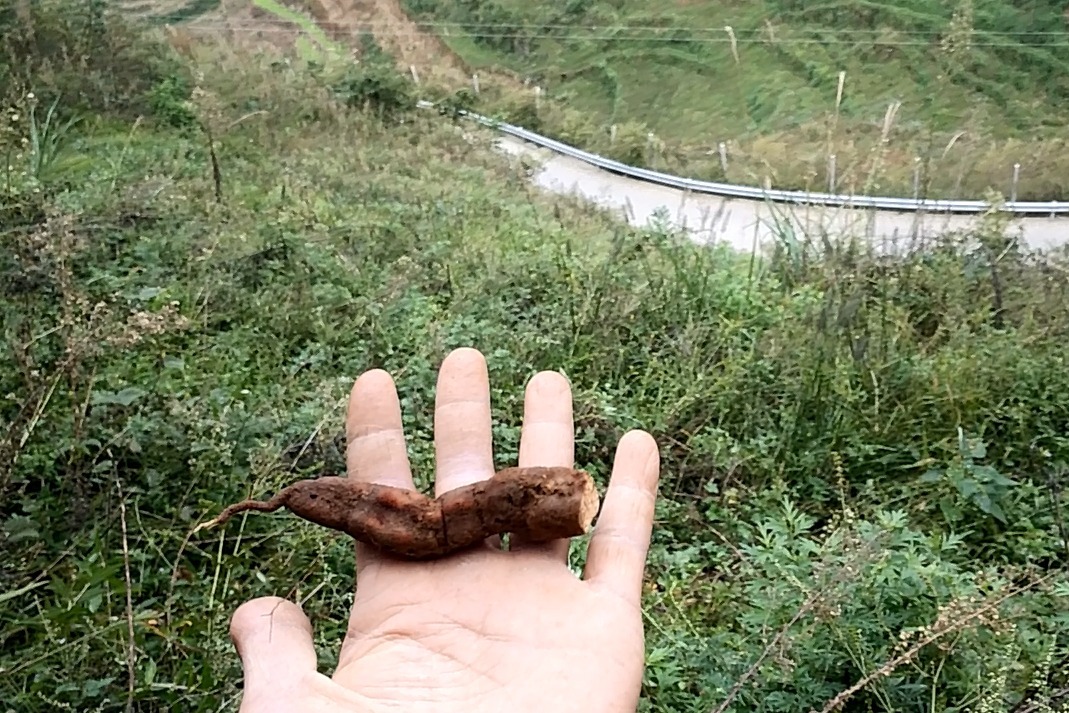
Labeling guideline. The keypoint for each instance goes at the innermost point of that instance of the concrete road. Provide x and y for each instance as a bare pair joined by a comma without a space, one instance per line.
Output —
748,224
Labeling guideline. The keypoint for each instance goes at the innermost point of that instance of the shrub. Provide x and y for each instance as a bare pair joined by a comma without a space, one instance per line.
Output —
374,83
169,99
81,50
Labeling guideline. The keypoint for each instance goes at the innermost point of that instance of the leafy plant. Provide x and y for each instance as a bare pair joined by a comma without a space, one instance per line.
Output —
975,483
169,102
374,83
48,151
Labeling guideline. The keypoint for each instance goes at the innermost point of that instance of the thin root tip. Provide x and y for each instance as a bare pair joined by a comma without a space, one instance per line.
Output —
205,525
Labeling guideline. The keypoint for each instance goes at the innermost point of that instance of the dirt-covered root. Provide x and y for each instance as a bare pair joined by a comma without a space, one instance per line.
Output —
538,503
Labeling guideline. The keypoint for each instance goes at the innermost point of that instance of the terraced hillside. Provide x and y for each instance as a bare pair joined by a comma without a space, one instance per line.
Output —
171,11
969,87
248,22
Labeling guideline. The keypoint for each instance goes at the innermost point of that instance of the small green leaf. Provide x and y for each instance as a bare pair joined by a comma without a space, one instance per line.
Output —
19,527
123,398
989,507
968,487
932,476
991,475
147,293
93,688
949,509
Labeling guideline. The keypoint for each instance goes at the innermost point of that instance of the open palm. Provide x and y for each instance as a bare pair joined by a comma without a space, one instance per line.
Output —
483,630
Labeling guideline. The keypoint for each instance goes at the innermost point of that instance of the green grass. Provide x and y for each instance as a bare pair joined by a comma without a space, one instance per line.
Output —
888,434
675,74
326,46
190,11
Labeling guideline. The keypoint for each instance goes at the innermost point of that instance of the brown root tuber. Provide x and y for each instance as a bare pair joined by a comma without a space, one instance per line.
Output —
537,503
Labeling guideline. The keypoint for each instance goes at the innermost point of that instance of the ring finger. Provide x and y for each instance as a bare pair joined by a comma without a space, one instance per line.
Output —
547,439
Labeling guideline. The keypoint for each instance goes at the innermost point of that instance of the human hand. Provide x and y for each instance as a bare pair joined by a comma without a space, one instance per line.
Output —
484,630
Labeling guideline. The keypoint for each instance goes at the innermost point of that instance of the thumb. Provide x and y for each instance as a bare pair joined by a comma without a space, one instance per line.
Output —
274,640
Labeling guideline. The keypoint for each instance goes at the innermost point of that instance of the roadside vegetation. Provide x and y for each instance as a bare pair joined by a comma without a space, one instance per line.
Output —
939,99
864,458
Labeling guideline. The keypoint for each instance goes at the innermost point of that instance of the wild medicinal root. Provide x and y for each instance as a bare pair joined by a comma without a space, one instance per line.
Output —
537,503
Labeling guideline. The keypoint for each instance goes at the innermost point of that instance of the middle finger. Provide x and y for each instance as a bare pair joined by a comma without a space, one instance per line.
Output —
463,439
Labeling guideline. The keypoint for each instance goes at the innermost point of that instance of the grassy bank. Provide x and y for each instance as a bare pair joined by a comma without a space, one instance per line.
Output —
858,455
972,87
323,49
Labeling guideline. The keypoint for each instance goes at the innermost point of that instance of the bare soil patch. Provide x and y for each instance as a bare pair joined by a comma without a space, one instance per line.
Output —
402,37
239,22
345,20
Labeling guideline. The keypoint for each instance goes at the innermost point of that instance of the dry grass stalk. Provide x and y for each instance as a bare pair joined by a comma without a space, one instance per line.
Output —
941,629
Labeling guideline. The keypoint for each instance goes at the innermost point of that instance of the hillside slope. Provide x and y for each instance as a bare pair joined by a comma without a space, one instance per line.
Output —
200,253
987,78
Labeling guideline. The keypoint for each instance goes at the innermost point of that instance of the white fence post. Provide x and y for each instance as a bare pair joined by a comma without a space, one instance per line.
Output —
734,42
723,148
1016,178
916,178
475,82
831,173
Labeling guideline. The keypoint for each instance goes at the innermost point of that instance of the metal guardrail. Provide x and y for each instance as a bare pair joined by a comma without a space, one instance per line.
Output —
730,190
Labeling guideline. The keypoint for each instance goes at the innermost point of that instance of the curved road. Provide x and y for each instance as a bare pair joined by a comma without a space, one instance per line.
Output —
748,224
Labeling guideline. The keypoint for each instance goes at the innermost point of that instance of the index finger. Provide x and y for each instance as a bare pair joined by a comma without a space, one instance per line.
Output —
616,557
376,451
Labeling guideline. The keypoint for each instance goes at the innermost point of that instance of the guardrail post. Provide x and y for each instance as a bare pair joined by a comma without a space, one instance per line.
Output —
475,83
1016,177
734,42
538,97
723,148
916,178
415,74
831,173
612,135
